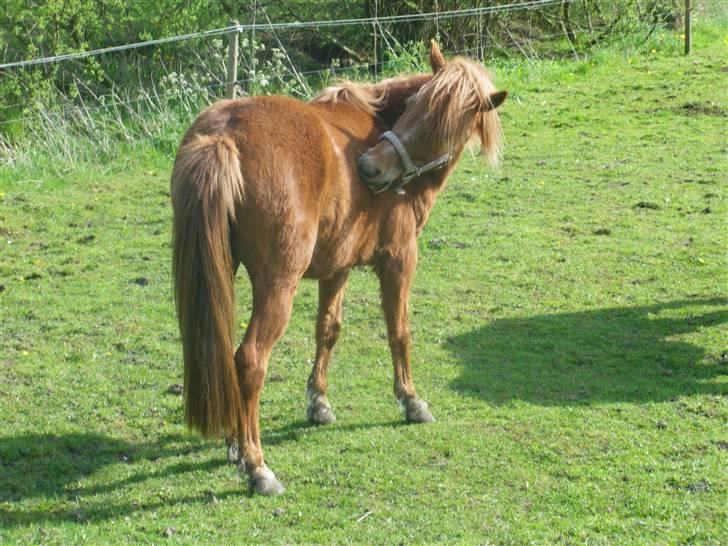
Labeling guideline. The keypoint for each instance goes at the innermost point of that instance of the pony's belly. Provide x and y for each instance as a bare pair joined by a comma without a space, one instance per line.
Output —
315,271
337,256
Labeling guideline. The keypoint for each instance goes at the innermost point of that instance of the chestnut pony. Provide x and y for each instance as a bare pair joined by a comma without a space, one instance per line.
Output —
290,190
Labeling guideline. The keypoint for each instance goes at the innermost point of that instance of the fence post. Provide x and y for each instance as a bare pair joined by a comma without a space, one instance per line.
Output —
232,61
688,26
374,34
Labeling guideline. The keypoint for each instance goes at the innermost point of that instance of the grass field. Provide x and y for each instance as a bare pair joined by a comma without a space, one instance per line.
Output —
570,323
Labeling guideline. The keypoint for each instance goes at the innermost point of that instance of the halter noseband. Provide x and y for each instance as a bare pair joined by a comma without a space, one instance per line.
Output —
411,171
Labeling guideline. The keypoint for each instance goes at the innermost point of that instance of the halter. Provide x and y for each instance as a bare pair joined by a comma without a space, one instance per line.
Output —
411,171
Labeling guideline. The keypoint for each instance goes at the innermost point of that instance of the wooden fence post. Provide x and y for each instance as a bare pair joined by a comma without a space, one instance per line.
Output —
232,61
374,34
688,26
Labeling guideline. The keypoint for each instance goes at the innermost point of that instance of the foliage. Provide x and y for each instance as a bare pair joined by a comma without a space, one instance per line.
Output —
32,28
569,316
78,127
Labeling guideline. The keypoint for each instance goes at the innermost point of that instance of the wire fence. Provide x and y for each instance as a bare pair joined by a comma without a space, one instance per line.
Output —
290,26
111,101
260,64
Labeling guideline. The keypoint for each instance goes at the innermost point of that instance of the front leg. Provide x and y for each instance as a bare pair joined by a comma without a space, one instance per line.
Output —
395,270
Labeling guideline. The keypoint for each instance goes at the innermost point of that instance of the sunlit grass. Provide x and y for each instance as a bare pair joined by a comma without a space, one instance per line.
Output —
570,318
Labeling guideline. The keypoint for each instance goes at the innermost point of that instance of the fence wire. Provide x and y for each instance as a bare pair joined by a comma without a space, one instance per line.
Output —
506,8
151,92
111,101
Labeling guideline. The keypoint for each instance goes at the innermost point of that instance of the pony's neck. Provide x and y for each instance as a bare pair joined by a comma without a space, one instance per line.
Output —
424,192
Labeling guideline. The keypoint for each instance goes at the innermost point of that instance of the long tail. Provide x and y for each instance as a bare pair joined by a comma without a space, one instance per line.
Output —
206,185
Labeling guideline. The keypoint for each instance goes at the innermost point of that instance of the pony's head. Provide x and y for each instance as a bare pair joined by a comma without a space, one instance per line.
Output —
457,104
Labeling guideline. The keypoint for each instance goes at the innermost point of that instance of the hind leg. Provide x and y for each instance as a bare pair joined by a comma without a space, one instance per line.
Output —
272,302
328,327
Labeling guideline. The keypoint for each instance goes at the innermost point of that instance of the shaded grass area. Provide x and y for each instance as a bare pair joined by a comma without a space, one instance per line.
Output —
570,322
622,354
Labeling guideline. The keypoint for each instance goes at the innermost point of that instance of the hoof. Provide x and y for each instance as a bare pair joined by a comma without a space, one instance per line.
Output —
319,410
233,453
318,414
264,482
415,411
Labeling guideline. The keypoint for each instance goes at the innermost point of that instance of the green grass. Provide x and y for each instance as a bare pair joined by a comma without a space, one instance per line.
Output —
570,323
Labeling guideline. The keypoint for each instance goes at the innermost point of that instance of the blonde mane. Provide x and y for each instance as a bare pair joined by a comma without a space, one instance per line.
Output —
362,97
448,102
386,98
459,88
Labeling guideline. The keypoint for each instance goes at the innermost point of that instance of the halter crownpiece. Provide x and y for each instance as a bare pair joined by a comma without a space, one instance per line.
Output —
411,171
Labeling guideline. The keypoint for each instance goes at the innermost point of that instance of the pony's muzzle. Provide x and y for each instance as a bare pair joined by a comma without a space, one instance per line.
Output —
377,170
371,175
366,168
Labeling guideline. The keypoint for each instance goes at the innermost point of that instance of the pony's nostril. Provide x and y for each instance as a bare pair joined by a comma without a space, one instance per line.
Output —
372,171
366,168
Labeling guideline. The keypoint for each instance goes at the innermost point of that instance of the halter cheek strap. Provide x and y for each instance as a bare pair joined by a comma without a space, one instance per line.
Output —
411,171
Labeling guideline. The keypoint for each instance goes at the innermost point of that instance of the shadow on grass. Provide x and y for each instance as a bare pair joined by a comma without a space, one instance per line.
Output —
294,431
49,469
621,354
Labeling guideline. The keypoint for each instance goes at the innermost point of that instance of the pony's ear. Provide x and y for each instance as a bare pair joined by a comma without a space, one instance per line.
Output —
495,100
437,61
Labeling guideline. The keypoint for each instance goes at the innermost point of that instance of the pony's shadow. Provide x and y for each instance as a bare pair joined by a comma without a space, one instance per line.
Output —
294,431
620,354
53,466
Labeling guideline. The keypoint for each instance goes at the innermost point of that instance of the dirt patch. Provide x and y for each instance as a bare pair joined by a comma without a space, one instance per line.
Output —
693,109
647,205
700,109
699,487
175,389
